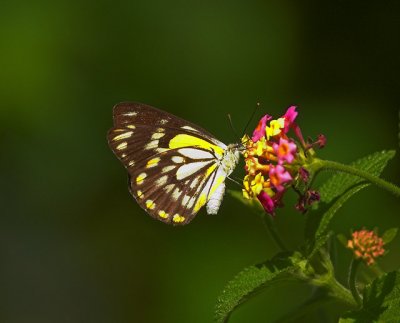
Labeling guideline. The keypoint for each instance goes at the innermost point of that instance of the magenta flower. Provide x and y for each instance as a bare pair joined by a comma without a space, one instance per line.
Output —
274,162
267,202
259,132
290,116
285,150
279,176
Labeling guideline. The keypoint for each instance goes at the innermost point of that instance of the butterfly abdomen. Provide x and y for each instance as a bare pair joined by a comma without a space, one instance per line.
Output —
216,199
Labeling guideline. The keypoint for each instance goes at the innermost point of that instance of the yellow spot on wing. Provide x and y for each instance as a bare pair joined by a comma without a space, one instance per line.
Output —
152,144
168,188
167,168
162,180
152,162
123,136
150,204
184,140
161,150
176,193
122,145
200,202
140,178
162,214
157,135
178,218
140,194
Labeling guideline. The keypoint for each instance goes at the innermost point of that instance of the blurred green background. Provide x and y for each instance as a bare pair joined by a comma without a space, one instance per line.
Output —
75,247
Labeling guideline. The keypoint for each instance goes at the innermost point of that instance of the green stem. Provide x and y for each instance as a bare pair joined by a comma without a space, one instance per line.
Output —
327,164
352,280
336,290
333,288
272,231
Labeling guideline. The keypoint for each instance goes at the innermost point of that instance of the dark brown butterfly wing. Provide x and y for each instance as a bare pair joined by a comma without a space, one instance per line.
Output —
172,163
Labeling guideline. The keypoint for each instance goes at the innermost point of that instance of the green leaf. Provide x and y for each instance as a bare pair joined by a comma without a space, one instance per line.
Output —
254,279
317,223
253,204
327,217
335,192
341,182
389,235
381,302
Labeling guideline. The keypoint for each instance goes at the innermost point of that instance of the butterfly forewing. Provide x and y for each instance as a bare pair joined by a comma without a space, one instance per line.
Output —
172,163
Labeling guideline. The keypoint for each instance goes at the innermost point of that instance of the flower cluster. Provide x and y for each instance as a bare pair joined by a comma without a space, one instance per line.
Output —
274,160
366,245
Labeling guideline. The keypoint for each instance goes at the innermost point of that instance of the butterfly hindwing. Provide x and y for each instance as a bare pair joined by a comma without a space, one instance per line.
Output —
164,196
172,164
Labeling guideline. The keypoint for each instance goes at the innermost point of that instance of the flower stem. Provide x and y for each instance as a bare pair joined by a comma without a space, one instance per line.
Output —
327,164
352,280
272,231
336,290
333,288
340,292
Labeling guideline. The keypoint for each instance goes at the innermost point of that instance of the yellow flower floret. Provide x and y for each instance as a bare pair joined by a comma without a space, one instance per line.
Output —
261,146
257,184
275,127
254,185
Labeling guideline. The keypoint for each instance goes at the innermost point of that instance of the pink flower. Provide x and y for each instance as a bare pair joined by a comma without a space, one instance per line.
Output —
290,116
285,150
279,176
267,202
259,132
277,158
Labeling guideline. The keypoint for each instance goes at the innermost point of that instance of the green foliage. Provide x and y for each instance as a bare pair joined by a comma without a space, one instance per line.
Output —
253,279
381,302
389,235
339,183
378,297
335,192
317,223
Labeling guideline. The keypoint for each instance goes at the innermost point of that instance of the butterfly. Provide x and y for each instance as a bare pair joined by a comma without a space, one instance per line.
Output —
174,167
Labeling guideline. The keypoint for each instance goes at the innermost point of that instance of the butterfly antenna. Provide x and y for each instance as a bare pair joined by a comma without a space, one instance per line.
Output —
232,127
251,118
